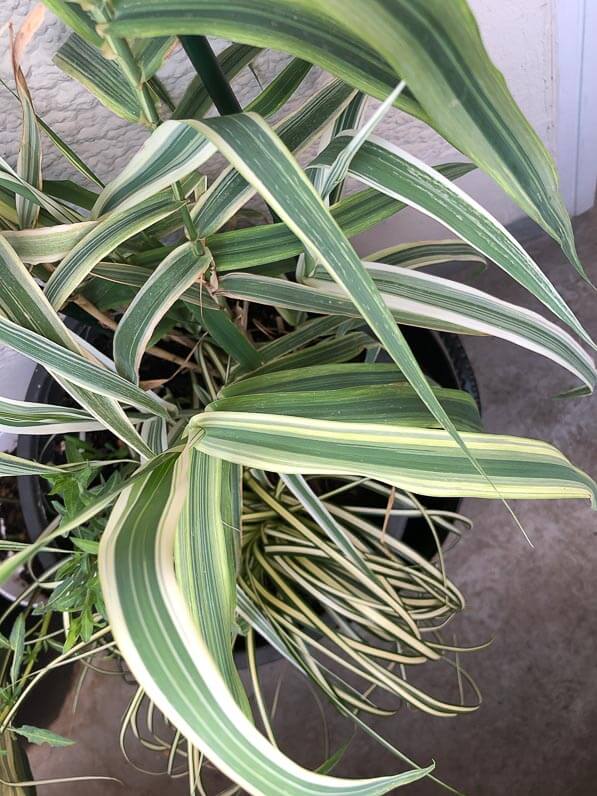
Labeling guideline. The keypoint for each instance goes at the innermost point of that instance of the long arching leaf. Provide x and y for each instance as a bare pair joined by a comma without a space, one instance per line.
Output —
169,656
424,461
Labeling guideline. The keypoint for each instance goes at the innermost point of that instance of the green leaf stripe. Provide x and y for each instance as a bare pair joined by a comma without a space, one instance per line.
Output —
102,77
482,313
206,563
29,157
16,185
335,349
434,46
302,30
427,301
389,403
22,301
247,248
15,465
231,190
33,418
317,377
137,276
281,88
422,253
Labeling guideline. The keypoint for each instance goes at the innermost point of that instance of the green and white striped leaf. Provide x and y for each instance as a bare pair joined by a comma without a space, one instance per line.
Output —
424,461
101,241
248,248
320,297
165,285
29,158
338,170
349,119
102,77
214,318
231,190
168,155
261,159
137,276
70,155
47,244
155,432
31,318
15,465
401,175
327,180
281,88
175,149
8,211
206,561
309,332
435,46
429,302
317,377
169,657
395,404
61,145
32,418
332,350
16,185
196,101
427,252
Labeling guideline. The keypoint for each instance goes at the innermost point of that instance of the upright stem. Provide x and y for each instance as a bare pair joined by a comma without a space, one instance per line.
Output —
209,70
207,66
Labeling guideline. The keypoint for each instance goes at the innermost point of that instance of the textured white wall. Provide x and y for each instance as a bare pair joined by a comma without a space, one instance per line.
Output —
518,35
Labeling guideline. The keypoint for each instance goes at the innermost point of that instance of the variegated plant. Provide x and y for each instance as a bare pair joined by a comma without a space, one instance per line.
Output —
219,523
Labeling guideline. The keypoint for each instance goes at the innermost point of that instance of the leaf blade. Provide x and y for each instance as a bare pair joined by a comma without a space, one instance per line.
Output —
148,599
424,461
166,284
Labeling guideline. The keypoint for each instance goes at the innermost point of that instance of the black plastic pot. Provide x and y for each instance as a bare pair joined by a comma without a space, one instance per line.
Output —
441,356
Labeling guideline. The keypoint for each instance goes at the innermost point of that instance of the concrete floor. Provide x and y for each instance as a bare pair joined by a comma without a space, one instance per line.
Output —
535,733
